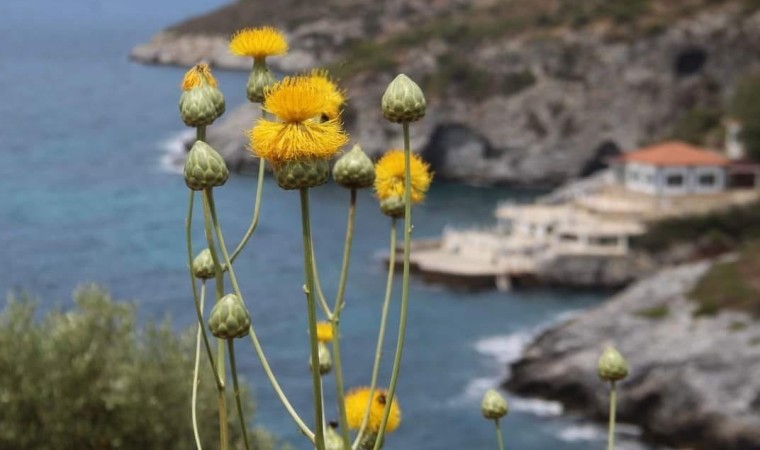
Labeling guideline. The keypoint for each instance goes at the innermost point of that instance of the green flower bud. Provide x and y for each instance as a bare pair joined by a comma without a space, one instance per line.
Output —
368,441
612,366
229,318
204,167
403,101
393,206
302,174
354,170
493,406
200,106
333,441
325,359
259,80
203,265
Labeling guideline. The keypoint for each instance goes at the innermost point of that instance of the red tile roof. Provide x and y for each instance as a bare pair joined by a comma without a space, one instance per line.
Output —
674,153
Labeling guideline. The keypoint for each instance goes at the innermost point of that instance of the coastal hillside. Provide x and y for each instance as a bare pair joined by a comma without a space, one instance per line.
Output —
694,351
520,91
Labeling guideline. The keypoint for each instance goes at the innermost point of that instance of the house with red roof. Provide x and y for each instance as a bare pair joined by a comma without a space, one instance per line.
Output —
678,168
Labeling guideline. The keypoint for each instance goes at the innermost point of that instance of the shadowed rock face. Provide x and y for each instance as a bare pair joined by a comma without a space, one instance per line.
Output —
694,382
536,106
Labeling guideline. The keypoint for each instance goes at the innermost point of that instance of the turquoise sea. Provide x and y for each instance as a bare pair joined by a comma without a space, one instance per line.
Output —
87,197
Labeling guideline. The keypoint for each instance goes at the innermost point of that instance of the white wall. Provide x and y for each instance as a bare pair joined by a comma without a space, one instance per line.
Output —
641,178
654,180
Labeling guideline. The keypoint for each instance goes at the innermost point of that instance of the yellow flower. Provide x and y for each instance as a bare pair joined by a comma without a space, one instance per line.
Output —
334,97
296,101
324,332
356,405
389,176
258,42
196,76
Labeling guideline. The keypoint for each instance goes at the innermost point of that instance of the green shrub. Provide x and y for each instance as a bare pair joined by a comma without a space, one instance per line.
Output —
89,379
696,124
654,313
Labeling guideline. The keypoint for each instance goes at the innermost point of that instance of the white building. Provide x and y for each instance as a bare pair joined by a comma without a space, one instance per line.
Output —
673,168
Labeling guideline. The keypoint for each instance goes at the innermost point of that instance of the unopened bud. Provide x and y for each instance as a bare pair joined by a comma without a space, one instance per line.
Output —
204,167
229,318
354,170
393,206
259,80
325,359
403,101
494,405
203,265
612,366
301,174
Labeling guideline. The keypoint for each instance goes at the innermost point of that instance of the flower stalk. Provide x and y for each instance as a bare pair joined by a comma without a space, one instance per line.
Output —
404,283
499,437
309,289
613,405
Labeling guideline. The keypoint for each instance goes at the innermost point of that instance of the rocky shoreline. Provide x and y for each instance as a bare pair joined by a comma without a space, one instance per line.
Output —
695,380
527,106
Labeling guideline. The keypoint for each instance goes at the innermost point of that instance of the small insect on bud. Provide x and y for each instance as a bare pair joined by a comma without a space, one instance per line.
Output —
403,101
612,366
354,170
299,174
229,318
204,167
493,406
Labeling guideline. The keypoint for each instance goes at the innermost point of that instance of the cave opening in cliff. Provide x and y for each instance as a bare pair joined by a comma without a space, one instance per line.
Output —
690,61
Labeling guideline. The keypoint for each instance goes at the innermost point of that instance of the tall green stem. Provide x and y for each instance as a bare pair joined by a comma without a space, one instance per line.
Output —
256,210
613,404
499,437
236,388
220,343
276,386
211,206
404,286
198,307
196,371
335,320
312,318
381,333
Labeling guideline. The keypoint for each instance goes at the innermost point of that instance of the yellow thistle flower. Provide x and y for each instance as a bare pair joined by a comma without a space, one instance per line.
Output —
356,406
296,101
389,176
334,97
324,332
196,76
258,42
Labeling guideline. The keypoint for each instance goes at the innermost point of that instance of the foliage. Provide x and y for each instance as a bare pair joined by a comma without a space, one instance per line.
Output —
89,379
726,227
654,313
745,106
696,124
731,284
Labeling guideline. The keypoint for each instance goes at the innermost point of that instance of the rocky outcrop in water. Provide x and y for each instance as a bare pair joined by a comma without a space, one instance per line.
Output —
694,380
534,102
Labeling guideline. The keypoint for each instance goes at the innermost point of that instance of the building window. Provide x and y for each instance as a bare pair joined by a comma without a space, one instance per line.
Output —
674,180
707,179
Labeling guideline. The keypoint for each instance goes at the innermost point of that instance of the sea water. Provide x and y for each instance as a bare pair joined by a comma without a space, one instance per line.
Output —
90,194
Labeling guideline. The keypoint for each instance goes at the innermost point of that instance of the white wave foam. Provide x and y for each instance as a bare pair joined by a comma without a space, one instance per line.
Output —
504,349
173,159
537,407
584,432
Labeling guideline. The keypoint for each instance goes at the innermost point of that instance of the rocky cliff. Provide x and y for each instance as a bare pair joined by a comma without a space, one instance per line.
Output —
695,379
520,91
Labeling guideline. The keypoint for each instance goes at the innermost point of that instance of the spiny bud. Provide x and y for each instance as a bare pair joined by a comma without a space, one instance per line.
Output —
325,359
229,318
354,170
201,105
300,174
493,406
612,366
204,167
203,265
333,441
393,206
403,101
259,80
